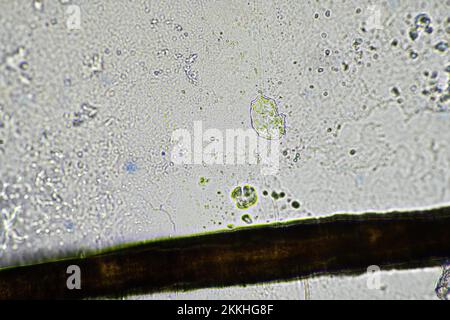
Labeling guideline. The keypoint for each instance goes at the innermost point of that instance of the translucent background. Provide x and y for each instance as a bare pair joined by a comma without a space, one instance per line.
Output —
87,115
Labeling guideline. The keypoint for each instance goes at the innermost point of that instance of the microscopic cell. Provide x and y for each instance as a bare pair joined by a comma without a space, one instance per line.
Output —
443,285
203,181
295,204
441,46
413,55
247,218
422,21
265,119
244,197
413,34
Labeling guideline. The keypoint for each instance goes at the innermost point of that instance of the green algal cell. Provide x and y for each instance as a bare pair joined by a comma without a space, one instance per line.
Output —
275,195
265,119
244,197
203,181
247,218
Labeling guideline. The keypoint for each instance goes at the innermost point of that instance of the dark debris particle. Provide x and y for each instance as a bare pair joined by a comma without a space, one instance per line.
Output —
413,34
395,91
274,195
422,20
441,46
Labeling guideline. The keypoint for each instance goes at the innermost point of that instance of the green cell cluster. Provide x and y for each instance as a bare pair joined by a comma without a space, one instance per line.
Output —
203,181
244,197
266,120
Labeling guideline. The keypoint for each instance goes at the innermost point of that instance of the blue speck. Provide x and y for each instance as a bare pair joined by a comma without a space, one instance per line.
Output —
69,225
131,167
359,180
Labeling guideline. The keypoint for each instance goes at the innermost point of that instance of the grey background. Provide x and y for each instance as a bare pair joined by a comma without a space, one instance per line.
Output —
127,73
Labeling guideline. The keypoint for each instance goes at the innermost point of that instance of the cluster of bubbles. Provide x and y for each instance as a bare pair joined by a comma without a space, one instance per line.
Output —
174,32
438,89
86,112
12,195
191,74
92,65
